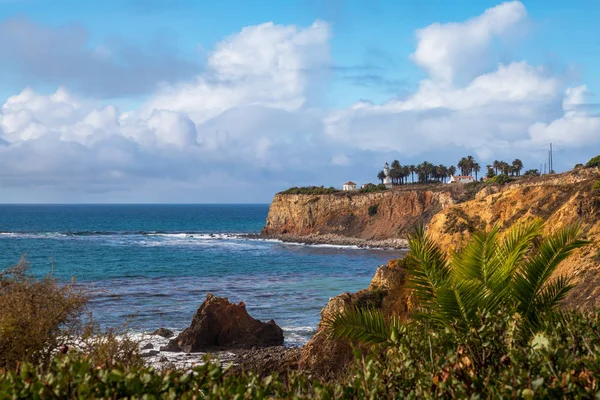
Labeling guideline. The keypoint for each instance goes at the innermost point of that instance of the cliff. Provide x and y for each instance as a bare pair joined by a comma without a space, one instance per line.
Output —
451,213
371,217
560,200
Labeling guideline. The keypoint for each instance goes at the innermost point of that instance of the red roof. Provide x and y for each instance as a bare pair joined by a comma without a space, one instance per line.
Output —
350,183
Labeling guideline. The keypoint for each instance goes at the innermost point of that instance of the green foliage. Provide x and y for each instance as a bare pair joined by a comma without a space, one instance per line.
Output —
40,316
594,162
596,185
37,316
532,172
490,273
310,190
371,188
499,180
578,166
373,209
561,361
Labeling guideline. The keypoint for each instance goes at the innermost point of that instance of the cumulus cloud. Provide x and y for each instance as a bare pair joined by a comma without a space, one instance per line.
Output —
510,109
247,121
264,65
444,50
244,116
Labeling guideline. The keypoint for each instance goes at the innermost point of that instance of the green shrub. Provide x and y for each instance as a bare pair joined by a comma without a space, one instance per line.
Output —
373,209
371,188
36,316
310,190
562,361
596,185
499,180
40,316
578,166
594,162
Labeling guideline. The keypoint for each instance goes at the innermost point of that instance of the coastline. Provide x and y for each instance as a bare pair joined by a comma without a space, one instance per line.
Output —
335,240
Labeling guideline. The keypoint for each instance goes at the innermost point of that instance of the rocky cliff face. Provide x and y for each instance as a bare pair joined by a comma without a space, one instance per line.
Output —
327,358
559,200
451,213
369,216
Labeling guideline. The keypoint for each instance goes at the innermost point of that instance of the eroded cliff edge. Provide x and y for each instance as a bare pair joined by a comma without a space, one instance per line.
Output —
451,213
377,219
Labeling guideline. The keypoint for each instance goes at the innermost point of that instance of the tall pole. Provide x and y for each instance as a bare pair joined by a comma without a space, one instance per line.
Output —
551,160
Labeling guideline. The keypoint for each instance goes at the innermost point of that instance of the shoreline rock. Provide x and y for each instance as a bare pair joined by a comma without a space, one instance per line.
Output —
337,240
219,324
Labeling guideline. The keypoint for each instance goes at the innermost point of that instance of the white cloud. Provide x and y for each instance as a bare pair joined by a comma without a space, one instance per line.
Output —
444,50
247,119
265,65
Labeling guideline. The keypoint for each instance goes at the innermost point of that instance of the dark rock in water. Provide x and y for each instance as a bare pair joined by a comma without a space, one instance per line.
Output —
147,346
164,332
150,353
221,324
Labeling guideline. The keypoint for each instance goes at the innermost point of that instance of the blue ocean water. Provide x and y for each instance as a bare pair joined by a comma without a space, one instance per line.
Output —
158,262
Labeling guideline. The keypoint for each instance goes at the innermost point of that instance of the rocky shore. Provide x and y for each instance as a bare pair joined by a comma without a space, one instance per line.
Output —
339,240
230,335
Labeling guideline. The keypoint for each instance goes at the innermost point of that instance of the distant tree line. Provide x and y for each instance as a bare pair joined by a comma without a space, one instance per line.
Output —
427,172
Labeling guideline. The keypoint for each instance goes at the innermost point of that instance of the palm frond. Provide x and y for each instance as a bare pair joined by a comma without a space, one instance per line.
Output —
361,325
426,267
513,248
553,293
535,272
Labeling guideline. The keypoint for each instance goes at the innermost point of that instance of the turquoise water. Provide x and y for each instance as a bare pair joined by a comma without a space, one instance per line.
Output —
159,262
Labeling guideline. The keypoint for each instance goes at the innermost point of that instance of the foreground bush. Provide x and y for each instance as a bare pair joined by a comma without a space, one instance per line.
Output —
37,316
561,361
40,317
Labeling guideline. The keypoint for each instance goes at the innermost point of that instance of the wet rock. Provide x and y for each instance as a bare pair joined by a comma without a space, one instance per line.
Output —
163,332
147,346
150,353
221,324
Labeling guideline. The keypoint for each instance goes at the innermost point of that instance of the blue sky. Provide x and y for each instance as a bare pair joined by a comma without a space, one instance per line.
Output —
231,101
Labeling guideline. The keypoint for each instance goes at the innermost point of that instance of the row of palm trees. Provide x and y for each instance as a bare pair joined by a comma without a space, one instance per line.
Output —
505,168
427,172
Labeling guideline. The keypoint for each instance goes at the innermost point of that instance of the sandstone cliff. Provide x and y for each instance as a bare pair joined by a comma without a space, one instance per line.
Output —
369,216
451,213
559,200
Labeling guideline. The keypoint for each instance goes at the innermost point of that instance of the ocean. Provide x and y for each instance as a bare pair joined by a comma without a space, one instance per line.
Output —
154,264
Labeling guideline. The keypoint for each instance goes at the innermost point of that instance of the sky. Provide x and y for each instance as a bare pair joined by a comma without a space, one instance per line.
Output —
175,101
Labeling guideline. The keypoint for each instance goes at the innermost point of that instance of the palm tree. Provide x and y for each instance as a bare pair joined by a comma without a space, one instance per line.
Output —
452,170
496,166
413,169
476,168
395,171
395,175
381,176
518,166
491,273
470,165
462,165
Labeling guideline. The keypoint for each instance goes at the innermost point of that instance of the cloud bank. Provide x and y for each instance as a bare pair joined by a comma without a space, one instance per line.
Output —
247,124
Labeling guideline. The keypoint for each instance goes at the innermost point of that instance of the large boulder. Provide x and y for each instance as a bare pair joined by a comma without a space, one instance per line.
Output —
327,358
219,324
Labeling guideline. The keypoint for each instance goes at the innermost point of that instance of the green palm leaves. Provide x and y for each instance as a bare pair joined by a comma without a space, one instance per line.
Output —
493,272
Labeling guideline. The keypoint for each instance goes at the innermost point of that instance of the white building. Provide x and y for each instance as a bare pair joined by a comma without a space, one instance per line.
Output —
387,181
461,179
349,186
